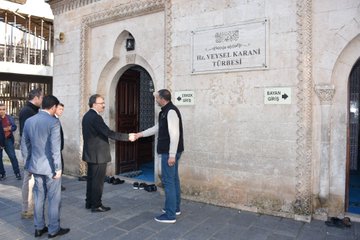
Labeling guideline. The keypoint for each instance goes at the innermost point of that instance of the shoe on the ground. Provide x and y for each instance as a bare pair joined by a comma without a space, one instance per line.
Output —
118,181
111,180
135,185
178,212
150,188
2,176
18,176
106,179
27,215
87,206
63,188
39,233
164,219
142,185
83,178
62,231
337,222
102,208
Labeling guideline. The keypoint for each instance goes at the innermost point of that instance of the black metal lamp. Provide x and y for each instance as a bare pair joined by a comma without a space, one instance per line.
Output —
130,43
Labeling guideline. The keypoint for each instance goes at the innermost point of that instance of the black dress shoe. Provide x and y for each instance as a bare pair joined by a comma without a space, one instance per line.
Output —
63,188
118,181
62,231
111,180
101,209
87,206
150,188
38,233
83,178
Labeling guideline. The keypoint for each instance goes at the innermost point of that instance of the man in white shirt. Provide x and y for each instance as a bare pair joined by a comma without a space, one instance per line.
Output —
170,146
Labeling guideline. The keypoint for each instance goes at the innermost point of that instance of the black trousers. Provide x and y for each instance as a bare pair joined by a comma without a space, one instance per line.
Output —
95,184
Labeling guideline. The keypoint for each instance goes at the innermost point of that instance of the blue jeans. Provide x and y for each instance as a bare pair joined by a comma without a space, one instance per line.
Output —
46,186
10,151
171,182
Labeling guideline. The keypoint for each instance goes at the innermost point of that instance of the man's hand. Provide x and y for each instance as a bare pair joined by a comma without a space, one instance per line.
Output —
171,161
134,136
57,174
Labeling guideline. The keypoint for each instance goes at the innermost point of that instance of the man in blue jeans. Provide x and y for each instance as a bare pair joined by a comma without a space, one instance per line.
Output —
8,125
170,146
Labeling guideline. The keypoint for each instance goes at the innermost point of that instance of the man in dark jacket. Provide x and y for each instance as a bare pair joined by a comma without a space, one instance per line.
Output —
96,151
58,114
31,108
8,125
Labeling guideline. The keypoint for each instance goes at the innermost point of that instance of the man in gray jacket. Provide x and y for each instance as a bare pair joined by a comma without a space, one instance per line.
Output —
40,147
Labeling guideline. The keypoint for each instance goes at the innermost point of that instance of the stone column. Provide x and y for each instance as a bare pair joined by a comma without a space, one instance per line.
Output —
325,94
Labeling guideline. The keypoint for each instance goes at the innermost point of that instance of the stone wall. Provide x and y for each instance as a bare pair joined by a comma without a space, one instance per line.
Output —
282,159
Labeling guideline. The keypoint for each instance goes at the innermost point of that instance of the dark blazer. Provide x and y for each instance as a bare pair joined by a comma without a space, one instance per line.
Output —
27,111
96,134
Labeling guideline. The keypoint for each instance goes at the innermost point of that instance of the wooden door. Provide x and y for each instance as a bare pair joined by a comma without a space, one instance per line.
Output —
127,94
352,203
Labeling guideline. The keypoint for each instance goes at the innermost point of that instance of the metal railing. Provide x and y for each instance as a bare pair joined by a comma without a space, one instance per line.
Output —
19,54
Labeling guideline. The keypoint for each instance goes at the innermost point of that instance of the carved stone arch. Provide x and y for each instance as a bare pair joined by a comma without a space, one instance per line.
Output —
136,60
110,75
339,116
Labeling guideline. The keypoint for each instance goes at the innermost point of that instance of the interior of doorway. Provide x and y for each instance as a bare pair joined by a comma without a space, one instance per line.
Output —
353,203
135,113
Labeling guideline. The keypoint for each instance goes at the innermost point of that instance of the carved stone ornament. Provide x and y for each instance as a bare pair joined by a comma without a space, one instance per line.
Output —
325,93
303,203
61,6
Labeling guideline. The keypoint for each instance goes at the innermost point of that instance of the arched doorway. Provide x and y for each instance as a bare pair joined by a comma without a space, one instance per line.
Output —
353,174
134,113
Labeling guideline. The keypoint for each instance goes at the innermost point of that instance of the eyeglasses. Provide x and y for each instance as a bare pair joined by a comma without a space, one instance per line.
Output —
100,103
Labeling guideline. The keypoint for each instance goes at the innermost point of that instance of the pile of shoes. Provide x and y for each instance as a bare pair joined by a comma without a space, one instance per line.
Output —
338,222
113,180
144,186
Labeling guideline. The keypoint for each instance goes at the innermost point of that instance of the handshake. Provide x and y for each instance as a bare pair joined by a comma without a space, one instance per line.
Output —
134,136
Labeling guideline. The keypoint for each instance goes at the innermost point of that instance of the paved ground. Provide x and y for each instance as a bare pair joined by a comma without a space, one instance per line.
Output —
132,216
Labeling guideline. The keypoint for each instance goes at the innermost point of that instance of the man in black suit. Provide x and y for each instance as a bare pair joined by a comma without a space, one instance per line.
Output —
58,114
96,151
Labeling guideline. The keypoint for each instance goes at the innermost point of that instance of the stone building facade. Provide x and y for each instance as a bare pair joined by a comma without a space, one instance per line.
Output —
267,129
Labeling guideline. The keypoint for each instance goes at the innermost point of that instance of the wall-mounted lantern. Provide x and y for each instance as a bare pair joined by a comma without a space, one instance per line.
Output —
130,43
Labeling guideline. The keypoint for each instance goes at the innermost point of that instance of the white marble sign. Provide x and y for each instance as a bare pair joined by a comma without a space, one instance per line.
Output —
231,48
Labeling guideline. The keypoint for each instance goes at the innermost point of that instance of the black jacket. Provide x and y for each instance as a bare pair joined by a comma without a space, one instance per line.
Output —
164,136
27,111
96,136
